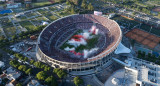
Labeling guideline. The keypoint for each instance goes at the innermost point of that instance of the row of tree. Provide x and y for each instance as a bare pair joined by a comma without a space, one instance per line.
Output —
77,4
149,57
20,67
18,37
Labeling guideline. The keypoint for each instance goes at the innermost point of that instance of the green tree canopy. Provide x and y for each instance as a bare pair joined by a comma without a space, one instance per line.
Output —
18,84
90,7
46,68
37,64
32,61
28,71
60,73
51,81
77,81
41,75
84,4
14,63
25,58
22,68
72,10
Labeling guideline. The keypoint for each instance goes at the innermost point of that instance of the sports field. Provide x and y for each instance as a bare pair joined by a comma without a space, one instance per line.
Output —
131,24
144,38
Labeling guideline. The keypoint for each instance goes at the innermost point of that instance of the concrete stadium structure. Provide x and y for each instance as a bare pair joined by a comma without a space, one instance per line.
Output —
58,31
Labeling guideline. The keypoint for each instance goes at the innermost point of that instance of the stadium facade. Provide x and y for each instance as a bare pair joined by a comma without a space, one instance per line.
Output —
47,49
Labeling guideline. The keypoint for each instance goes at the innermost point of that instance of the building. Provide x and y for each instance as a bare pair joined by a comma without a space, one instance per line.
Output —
124,77
148,72
34,83
13,5
55,34
12,74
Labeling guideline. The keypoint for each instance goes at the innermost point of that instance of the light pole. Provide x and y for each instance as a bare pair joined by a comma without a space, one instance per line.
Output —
150,29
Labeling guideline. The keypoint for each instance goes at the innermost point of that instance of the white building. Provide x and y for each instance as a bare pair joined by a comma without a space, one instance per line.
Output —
12,74
148,72
34,83
124,77
14,5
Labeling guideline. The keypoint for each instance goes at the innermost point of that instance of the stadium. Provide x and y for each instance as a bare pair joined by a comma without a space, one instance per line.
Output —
59,46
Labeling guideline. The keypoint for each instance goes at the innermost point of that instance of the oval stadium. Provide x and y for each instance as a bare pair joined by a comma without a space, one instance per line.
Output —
79,42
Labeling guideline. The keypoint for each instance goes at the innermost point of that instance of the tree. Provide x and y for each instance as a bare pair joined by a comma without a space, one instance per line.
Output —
22,68
37,64
46,68
133,42
90,7
1,55
18,84
72,11
41,75
68,2
28,71
60,1
159,17
14,37
84,5
32,61
89,85
56,70
14,63
77,81
60,73
51,81
25,58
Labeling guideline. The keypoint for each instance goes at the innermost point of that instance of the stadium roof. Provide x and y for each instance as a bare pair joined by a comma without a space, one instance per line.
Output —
122,49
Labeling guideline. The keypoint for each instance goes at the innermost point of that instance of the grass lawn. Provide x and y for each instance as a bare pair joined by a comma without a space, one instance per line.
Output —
37,4
5,22
41,19
22,18
90,43
10,31
31,14
52,17
41,10
44,12
63,13
52,8
28,25
36,22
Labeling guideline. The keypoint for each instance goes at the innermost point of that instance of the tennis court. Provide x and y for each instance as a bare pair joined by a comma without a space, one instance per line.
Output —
143,37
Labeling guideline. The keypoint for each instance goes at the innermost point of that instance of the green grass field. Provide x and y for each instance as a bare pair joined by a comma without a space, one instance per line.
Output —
31,14
52,17
41,3
53,8
10,31
90,43
41,18
28,25
63,13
